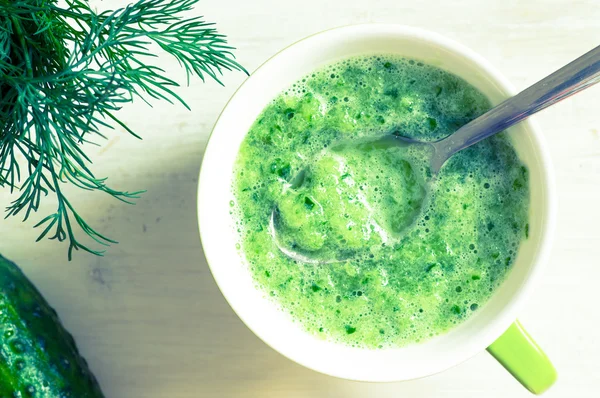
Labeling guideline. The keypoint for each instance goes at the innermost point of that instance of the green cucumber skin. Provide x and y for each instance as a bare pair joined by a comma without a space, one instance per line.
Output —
38,357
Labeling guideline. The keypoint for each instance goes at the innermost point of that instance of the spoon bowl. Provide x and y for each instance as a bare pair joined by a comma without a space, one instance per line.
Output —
284,239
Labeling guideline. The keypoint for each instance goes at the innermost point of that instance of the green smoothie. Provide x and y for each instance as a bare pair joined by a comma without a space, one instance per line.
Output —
408,256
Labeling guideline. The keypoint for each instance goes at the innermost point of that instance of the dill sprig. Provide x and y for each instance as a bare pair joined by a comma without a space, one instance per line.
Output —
64,72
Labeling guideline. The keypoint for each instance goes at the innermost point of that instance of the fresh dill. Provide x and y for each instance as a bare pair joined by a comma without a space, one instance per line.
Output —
65,71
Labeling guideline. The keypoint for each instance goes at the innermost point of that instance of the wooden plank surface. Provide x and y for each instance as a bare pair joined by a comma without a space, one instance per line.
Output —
149,317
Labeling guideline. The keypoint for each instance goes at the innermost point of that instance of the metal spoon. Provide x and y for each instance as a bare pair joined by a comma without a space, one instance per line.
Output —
568,80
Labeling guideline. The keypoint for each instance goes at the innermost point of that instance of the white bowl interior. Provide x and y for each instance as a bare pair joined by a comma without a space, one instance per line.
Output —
219,237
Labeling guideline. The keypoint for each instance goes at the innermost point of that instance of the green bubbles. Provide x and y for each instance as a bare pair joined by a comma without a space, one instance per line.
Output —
420,261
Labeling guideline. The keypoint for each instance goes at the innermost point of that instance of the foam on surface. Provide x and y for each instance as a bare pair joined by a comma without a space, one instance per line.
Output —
417,263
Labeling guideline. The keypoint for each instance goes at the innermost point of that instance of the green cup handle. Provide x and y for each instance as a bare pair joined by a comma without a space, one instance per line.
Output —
524,359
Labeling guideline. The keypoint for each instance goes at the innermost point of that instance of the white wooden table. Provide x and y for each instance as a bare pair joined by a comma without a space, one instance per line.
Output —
149,316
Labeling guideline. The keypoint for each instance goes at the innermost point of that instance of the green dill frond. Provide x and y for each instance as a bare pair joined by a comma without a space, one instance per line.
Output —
65,71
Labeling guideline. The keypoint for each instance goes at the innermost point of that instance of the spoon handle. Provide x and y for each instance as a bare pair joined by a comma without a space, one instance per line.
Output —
568,80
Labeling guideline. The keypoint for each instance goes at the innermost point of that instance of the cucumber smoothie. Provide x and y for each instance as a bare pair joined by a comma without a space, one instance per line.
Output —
415,255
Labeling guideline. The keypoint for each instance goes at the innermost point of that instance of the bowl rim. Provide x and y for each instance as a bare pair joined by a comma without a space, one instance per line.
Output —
508,315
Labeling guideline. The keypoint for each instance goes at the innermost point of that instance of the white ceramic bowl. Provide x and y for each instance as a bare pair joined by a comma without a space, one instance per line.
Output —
219,237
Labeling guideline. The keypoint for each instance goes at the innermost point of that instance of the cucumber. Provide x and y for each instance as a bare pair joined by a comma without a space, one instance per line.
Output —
38,357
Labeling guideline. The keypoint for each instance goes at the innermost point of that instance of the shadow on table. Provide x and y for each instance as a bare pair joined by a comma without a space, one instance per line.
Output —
166,328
